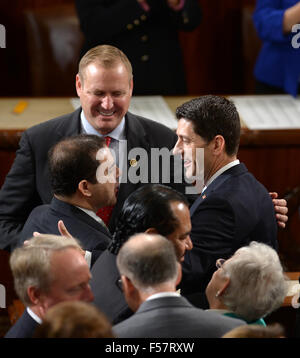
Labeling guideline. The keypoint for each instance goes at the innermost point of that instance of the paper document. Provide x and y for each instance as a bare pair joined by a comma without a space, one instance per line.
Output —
152,107
269,111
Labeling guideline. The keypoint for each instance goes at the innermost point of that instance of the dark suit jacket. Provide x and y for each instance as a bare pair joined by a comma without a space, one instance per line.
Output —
27,184
108,295
234,210
149,39
44,218
174,317
23,328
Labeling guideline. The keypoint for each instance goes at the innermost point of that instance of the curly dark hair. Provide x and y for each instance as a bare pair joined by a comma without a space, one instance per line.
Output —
147,207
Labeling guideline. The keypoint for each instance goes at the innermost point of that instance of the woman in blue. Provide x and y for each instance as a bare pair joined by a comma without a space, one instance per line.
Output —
277,68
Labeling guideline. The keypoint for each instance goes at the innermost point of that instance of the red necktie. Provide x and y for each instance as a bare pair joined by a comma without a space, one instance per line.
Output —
105,212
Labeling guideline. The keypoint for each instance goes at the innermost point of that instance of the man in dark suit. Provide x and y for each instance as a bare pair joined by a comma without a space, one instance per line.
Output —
233,208
150,273
78,193
47,270
104,84
152,209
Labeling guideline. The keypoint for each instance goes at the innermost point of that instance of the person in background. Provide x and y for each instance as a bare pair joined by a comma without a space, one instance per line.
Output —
47,270
74,319
277,68
250,285
147,31
150,272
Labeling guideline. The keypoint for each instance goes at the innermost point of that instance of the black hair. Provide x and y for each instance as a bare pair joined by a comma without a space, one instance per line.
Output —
147,207
211,116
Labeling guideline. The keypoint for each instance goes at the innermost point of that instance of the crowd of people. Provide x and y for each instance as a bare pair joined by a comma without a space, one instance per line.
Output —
96,254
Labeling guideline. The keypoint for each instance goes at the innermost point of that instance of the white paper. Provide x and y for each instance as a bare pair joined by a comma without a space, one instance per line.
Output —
152,107
269,111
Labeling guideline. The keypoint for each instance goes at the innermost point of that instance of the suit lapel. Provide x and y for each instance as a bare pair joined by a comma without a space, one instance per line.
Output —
71,210
219,181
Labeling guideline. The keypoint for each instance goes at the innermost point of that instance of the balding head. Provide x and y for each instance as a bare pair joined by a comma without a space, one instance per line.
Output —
148,261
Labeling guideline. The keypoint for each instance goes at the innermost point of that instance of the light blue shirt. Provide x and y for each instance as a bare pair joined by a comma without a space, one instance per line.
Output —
117,135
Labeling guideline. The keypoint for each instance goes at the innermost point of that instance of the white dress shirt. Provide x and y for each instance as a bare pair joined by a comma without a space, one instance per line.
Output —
220,171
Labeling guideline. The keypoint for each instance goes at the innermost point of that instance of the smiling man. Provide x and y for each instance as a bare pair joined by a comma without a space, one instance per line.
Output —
104,85
233,208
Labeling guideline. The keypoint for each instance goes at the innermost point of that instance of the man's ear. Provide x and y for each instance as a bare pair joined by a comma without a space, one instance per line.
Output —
127,285
34,294
78,85
83,187
179,274
219,144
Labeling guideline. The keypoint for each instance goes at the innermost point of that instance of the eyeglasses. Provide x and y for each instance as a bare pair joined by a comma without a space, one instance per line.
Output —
119,284
220,263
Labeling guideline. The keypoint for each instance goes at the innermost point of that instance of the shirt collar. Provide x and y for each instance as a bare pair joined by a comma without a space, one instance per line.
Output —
93,215
163,294
220,171
118,133
34,316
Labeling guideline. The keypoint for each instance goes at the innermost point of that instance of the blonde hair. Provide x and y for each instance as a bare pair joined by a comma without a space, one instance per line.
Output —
31,263
74,319
106,56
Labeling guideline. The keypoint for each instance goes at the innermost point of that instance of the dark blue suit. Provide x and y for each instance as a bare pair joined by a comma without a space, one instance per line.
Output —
234,210
23,328
92,235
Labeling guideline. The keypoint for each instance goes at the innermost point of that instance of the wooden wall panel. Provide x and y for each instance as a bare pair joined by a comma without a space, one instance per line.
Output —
212,53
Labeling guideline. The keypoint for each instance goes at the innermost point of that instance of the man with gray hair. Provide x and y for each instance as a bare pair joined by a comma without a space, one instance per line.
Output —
150,273
47,270
254,270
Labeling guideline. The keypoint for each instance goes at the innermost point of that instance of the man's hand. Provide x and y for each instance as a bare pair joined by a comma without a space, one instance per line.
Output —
62,229
281,210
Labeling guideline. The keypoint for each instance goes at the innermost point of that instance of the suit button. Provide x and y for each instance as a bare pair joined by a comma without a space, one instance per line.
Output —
144,38
143,17
129,27
145,58
136,22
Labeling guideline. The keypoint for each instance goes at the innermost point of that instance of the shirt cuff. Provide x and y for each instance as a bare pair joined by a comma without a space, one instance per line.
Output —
179,6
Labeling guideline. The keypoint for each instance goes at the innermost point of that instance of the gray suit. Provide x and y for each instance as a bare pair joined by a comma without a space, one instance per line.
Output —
174,317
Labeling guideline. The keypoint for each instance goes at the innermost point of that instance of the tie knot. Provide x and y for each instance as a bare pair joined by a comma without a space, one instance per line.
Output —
107,140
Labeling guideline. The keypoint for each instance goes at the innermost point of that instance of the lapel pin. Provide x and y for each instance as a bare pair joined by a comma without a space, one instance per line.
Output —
133,162
204,196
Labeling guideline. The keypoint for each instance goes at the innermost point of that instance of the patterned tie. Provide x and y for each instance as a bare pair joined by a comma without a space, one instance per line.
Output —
105,212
